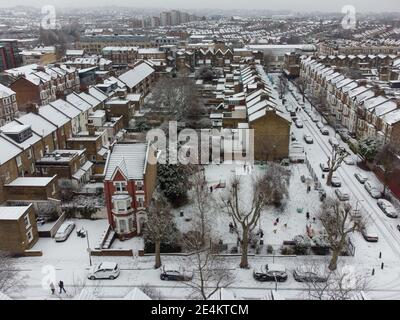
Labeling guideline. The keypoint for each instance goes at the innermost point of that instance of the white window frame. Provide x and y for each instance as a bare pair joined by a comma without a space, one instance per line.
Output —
118,186
29,236
19,161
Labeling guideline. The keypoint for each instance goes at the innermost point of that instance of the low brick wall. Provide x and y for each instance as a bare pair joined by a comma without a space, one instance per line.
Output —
33,253
112,253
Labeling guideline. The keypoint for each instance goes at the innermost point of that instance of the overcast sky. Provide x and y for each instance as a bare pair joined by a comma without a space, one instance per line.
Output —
295,5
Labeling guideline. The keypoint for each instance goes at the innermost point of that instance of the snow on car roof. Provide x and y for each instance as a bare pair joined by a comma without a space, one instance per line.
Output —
107,265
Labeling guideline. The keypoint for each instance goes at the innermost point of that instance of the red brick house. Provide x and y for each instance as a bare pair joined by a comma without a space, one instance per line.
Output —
129,182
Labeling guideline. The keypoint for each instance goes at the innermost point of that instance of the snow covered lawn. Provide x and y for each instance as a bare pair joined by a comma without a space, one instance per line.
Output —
273,235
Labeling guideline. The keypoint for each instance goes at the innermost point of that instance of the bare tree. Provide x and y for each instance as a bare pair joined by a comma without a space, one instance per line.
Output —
202,198
386,160
343,284
159,227
152,292
176,99
10,278
245,210
302,86
210,272
338,224
334,161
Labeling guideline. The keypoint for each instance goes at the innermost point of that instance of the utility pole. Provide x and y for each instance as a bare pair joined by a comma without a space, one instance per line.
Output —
88,248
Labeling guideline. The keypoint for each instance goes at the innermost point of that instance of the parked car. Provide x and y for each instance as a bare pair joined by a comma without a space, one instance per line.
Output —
333,141
369,233
313,117
360,178
308,111
349,160
293,113
301,103
299,124
104,270
342,195
308,139
64,231
175,273
324,131
40,221
387,208
324,167
303,275
320,125
336,182
270,272
372,190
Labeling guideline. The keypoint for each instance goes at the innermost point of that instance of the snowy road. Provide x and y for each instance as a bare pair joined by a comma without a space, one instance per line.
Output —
319,152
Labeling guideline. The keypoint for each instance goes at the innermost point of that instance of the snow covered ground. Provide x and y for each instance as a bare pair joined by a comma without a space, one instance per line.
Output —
70,259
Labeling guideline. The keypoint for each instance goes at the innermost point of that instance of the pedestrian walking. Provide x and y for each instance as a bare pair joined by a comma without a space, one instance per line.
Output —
313,219
308,215
61,286
52,288
211,189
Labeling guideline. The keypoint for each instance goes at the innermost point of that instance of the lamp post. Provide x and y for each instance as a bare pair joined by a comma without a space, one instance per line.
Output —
88,248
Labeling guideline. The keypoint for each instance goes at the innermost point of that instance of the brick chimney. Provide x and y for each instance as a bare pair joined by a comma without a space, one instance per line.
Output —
91,129
32,107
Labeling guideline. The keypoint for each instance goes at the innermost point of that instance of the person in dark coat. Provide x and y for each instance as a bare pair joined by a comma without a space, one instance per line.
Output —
61,286
308,215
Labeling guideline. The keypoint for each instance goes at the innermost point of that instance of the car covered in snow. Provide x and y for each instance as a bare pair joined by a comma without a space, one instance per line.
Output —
336,182
175,273
324,167
270,272
64,231
104,270
369,233
324,131
303,274
313,117
299,124
334,142
387,208
349,160
372,190
308,139
361,179
320,125
342,195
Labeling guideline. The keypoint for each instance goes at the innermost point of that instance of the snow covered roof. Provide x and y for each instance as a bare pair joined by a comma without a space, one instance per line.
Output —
78,102
30,182
40,126
129,159
14,126
134,76
136,294
98,94
66,108
13,213
5,91
8,150
53,115
89,99
392,117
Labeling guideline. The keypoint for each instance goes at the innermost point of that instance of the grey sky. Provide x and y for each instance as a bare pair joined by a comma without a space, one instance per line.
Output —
295,5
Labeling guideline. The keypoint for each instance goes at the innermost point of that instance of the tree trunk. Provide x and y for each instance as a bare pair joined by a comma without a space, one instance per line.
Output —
334,260
244,263
329,178
157,254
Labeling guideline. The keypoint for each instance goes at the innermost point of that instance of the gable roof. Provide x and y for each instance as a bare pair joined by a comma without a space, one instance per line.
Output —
134,76
129,159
